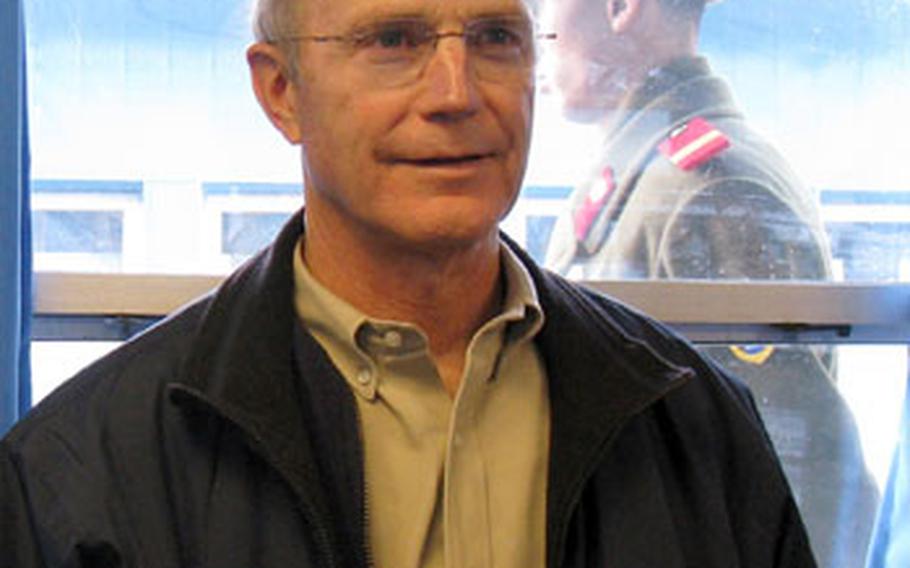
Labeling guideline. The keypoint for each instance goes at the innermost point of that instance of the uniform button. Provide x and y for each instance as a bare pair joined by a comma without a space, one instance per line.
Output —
364,376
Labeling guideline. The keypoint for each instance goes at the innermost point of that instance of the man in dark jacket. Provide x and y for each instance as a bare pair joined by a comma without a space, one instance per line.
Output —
685,189
393,383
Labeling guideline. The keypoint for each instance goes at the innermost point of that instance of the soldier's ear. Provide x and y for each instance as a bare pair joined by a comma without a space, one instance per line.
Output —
275,88
621,14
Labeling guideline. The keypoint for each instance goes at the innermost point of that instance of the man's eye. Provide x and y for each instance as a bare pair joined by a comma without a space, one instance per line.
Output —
391,37
497,35
501,39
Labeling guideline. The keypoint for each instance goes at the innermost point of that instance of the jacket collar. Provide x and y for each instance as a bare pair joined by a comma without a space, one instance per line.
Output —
242,367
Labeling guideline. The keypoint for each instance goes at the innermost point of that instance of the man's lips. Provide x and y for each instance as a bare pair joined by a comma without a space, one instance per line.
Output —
432,161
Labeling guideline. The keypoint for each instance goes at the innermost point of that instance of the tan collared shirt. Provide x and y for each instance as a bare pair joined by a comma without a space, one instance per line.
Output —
450,483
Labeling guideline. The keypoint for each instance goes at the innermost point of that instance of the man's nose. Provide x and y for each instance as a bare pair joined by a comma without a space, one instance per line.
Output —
449,84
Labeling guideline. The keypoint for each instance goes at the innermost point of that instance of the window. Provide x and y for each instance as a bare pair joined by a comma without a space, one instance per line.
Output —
244,217
99,232
85,225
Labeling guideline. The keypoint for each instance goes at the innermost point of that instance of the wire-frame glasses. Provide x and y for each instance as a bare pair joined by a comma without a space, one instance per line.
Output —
393,53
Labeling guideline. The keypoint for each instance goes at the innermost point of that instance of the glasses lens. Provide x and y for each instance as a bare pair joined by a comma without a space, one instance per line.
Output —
506,41
502,49
394,53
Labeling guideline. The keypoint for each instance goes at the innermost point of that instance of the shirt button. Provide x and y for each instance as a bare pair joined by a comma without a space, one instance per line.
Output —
364,376
392,339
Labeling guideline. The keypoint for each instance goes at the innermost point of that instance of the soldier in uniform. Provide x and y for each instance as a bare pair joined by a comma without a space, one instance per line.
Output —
685,189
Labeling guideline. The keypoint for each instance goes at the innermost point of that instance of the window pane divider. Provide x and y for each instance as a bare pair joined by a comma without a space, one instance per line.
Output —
118,305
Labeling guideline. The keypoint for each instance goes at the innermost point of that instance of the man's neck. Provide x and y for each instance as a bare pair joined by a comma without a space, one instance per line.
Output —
449,293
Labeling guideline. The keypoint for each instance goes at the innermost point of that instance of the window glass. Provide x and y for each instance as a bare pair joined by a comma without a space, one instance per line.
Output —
55,361
748,157
157,92
89,226
244,233
98,232
777,152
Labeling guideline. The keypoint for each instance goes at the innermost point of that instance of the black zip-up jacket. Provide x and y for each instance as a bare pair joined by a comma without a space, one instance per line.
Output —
224,438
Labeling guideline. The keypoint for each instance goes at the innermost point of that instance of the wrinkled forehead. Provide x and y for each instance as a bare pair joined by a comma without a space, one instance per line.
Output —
340,12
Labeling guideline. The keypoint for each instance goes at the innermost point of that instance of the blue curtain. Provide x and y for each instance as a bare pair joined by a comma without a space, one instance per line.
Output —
891,540
15,220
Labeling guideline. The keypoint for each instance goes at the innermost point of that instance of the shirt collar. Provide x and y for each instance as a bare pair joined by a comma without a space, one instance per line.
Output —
521,304
355,341
334,324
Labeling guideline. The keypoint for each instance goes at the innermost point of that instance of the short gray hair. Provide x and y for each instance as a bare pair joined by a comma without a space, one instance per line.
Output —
274,19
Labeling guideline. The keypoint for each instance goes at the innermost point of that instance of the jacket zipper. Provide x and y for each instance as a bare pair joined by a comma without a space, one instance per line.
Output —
321,533
367,549
365,487
575,498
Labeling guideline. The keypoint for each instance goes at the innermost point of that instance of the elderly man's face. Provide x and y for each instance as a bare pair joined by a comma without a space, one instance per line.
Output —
420,155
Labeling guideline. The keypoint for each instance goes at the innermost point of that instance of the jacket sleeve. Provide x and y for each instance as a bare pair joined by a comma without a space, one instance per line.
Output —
19,545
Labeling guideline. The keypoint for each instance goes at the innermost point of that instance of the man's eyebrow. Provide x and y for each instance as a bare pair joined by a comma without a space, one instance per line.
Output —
371,19
503,13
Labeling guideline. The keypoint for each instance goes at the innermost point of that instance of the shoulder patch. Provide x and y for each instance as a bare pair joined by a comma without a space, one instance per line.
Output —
693,144
754,354
598,194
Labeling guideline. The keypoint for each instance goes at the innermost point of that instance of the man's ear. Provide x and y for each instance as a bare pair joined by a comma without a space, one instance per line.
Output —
275,88
621,14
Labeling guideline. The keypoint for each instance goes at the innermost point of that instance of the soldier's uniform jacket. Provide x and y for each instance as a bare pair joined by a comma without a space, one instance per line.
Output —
736,212
685,189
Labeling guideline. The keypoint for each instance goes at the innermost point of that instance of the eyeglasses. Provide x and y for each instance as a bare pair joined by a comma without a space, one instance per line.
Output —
394,53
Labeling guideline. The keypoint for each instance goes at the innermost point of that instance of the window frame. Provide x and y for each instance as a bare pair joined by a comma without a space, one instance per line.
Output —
702,311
